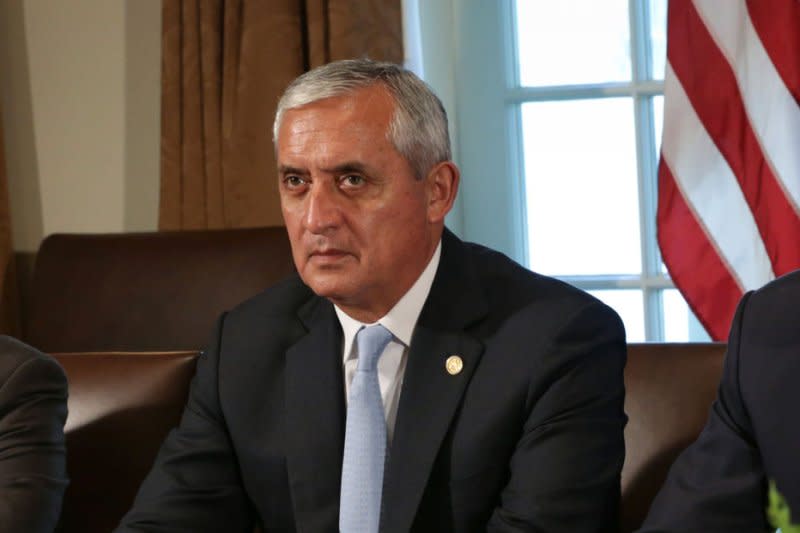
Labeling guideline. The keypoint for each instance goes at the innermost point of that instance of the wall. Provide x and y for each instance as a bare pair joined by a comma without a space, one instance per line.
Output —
80,93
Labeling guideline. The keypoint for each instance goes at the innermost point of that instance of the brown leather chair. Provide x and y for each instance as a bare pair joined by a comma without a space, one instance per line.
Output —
669,390
121,406
147,291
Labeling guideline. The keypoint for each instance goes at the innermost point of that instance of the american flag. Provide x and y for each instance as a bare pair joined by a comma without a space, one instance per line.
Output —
729,175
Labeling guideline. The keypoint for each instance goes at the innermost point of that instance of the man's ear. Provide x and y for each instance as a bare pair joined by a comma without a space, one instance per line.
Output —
442,186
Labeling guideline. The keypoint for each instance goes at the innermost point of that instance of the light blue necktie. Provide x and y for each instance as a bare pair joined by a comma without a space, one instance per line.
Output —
365,438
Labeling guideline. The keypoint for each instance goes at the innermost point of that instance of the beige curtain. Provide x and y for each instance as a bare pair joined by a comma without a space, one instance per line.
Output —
224,65
9,315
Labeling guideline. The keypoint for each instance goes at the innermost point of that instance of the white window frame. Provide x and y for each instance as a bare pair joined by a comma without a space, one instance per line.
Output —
462,40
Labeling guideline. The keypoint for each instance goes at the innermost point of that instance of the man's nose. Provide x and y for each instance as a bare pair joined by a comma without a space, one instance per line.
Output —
323,210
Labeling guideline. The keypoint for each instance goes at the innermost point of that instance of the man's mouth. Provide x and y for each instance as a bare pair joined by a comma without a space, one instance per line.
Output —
327,255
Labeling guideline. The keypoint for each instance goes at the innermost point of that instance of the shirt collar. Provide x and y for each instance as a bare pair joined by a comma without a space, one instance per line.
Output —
402,318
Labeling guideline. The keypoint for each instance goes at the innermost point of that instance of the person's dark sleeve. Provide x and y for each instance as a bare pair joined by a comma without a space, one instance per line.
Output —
33,409
194,484
565,470
717,484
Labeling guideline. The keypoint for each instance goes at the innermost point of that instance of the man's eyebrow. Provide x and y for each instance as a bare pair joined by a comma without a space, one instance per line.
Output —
342,168
285,169
348,166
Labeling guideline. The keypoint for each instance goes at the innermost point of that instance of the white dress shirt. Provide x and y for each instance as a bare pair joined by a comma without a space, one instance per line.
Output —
400,321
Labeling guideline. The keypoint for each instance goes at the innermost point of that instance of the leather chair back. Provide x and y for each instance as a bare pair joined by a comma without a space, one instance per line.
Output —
669,390
121,407
147,291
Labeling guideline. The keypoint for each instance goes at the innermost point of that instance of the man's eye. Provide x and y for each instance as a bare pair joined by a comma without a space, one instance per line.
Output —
353,180
293,181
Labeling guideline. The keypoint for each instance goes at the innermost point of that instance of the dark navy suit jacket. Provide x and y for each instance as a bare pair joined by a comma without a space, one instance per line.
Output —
720,482
528,437
33,409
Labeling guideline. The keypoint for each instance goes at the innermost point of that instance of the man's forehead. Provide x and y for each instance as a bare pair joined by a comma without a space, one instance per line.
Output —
375,100
317,130
351,116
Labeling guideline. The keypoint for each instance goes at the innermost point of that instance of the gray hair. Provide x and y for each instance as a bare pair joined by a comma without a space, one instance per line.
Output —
418,129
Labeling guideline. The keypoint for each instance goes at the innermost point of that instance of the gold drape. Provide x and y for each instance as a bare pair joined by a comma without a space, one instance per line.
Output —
224,65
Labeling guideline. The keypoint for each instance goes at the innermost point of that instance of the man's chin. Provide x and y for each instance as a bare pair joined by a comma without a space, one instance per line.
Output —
333,286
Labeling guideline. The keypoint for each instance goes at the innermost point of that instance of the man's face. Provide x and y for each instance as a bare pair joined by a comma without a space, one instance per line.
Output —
358,219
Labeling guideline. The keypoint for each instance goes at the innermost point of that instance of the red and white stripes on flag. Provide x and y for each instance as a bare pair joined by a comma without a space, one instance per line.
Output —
729,175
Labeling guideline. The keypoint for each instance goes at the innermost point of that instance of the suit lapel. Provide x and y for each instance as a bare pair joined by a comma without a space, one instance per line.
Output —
315,419
431,395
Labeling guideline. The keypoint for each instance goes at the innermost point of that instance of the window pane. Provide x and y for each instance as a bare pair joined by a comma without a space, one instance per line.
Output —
658,124
658,37
573,41
658,119
581,189
676,317
680,324
630,307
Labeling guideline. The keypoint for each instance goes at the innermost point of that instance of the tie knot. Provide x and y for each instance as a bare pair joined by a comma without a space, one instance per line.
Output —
371,342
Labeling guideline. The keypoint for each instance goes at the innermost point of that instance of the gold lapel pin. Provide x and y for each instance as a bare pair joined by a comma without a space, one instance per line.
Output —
454,365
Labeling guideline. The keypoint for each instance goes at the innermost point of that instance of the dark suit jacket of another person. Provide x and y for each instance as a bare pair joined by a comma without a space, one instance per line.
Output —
719,483
33,409
528,436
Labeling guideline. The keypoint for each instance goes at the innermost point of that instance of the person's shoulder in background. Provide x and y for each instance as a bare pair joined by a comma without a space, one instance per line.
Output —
33,409
720,482
770,317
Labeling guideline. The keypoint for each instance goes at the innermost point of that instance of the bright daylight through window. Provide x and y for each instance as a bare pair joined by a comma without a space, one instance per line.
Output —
587,97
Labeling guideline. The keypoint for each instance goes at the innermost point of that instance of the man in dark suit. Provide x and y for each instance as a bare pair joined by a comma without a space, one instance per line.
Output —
719,483
500,391
33,409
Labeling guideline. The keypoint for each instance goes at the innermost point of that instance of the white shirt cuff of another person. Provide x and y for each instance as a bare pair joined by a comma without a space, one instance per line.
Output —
400,321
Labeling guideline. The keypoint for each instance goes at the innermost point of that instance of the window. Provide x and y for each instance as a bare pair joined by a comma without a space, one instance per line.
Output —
557,109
